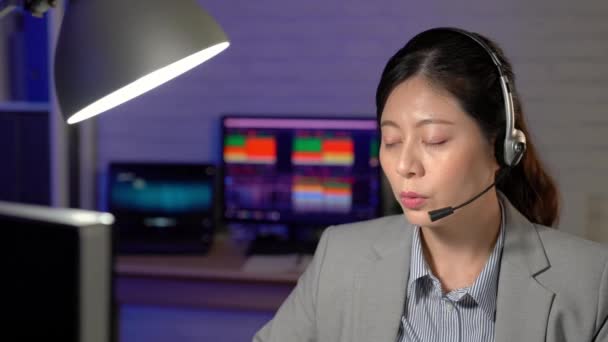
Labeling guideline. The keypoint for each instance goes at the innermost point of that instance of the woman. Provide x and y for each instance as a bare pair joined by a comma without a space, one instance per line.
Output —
493,270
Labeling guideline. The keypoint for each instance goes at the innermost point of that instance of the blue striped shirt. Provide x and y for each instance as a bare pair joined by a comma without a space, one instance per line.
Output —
465,314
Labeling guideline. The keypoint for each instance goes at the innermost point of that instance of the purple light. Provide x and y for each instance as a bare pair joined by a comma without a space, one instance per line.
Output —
363,124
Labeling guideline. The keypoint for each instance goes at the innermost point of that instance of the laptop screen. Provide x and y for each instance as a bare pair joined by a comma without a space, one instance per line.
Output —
161,203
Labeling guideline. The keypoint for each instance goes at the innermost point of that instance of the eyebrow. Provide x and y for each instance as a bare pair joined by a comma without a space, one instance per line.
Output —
433,121
419,123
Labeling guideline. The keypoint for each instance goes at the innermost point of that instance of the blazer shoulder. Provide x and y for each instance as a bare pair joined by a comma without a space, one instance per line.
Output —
565,245
364,233
577,266
578,275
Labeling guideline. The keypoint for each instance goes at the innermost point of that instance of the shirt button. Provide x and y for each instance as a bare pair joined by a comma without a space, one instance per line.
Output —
449,306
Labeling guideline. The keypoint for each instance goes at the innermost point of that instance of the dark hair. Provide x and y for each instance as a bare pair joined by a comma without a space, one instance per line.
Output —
457,64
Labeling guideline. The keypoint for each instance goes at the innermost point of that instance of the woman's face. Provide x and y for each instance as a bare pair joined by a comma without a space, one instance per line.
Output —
431,147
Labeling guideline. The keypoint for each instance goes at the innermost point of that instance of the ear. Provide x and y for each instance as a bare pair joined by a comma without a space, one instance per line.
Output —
496,166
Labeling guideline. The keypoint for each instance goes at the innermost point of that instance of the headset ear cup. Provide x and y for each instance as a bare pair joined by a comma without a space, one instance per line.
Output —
515,148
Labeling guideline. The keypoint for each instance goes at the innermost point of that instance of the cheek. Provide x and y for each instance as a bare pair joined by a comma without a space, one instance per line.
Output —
389,167
383,160
463,165
447,172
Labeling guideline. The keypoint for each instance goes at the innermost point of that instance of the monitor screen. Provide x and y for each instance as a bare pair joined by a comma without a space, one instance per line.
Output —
161,204
57,274
304,170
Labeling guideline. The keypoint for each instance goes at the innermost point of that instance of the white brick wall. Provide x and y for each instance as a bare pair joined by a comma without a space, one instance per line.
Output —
316,57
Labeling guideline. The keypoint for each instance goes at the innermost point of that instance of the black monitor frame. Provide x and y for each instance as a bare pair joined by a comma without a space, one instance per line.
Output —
59,271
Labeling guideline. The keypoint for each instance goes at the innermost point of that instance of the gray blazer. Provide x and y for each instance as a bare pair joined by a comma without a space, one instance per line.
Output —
552,286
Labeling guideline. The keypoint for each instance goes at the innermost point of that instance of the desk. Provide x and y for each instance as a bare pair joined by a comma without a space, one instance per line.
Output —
215,280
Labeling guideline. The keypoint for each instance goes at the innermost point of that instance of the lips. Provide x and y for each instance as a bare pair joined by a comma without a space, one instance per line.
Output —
412,200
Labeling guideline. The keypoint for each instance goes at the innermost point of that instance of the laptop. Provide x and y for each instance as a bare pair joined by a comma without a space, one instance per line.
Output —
162,208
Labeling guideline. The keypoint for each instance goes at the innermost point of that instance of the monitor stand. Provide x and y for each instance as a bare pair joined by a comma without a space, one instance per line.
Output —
298,240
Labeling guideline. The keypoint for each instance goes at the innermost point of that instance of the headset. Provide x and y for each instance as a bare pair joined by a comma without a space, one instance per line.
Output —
515,140
514,145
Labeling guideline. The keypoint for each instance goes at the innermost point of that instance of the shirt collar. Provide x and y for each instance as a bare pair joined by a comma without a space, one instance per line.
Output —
418,266
485,287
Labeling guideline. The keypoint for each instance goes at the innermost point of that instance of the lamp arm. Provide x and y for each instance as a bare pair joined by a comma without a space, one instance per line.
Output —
7,6
36,8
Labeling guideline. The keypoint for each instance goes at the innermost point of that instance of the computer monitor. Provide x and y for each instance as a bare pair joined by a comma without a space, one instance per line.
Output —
57,274
162,207
314,171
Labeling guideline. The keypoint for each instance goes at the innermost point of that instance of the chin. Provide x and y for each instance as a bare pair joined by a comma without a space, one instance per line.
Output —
419,217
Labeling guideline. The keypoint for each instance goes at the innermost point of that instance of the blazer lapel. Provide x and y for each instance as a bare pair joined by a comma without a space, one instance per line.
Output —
522,304
380,284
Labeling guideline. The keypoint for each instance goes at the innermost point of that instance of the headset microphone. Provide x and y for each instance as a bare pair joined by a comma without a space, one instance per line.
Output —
443,212
515,141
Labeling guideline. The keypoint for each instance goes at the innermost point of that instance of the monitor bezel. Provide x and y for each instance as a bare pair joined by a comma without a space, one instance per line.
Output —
97,313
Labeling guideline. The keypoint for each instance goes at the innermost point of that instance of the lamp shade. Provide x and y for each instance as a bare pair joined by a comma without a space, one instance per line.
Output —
110,51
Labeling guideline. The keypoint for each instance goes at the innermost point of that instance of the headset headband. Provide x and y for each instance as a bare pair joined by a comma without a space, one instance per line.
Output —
515,140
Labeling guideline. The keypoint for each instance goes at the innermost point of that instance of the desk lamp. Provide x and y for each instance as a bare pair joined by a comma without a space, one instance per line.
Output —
110,51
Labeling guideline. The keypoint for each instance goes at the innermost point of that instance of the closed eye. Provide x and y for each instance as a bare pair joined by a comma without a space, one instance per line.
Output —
391,144
435,143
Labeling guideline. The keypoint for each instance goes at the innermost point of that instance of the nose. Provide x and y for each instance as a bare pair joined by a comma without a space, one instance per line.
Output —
409,164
